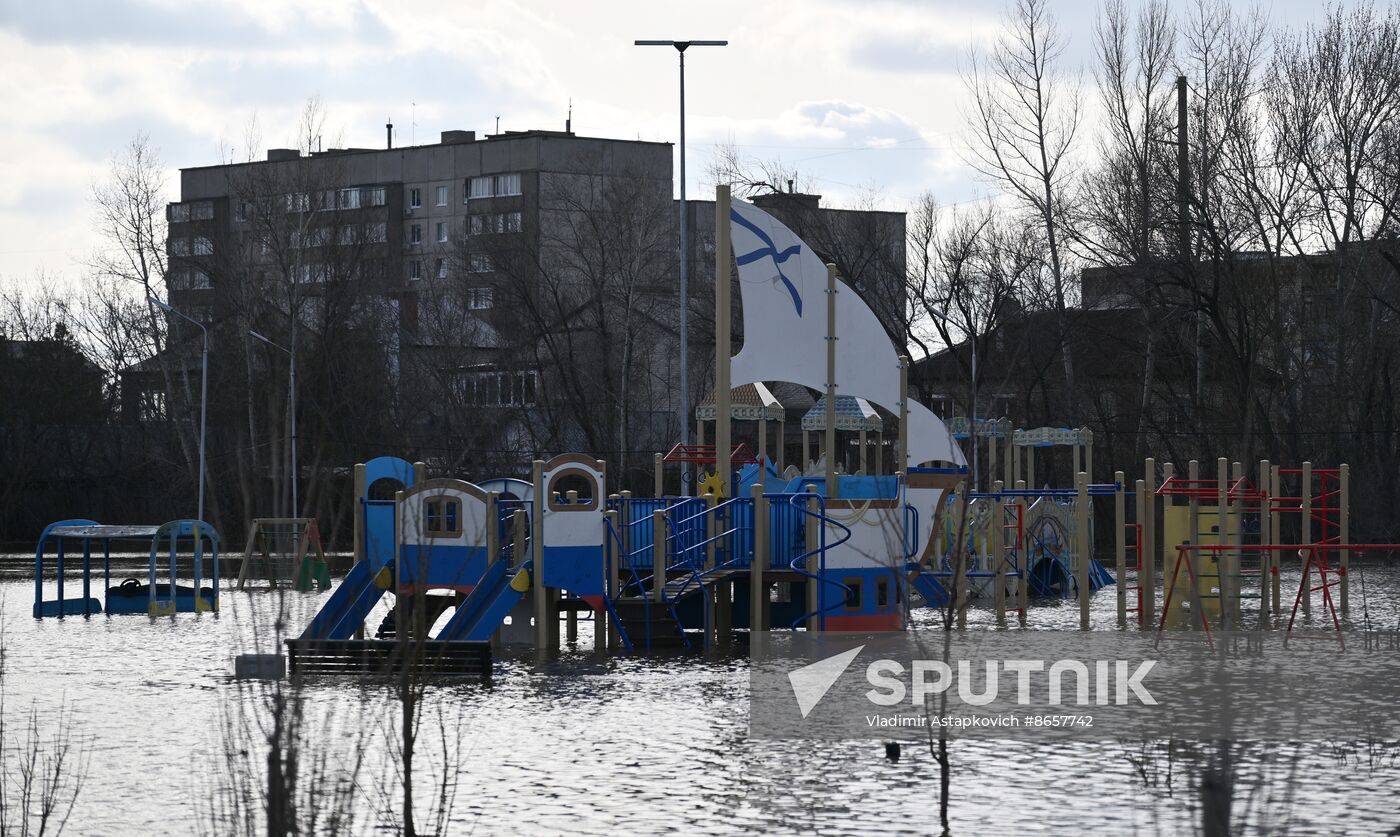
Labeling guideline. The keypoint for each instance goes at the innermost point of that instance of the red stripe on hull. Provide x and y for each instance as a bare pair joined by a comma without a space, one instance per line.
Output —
864,622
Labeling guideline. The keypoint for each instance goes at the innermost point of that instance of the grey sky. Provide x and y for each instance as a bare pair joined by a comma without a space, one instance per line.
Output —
855,95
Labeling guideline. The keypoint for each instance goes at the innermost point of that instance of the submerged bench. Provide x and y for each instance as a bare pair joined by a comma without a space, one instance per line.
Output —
452,658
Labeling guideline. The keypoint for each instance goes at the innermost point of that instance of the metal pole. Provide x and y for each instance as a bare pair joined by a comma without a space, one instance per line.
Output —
724,424
684,291
203,415
296,504
831,490
973,428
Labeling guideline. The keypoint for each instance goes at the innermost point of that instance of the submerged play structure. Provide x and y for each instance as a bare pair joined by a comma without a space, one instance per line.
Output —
749,543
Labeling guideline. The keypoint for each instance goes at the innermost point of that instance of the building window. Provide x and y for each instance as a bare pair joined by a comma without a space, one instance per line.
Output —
507,184
375,195
442,232
479,263
476,224
440,268
179,246
478,298
203,246
415,269
496,388
442,517
348,199
240,211
152,405
504,222
298,202
479,187
202,211
179,213
511,222
853,597
415,198
442,196
415,234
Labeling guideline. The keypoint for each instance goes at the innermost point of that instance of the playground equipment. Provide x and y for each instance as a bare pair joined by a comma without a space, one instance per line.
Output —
155,597
291,553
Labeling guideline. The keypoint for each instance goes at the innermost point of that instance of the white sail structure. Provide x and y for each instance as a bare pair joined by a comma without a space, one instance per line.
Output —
782,285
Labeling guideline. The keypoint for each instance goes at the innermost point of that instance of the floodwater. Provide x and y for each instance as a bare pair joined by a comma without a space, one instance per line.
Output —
629,745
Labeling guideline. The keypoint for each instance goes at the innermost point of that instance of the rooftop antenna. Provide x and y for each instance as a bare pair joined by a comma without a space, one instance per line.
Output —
413,123
389,131
569,120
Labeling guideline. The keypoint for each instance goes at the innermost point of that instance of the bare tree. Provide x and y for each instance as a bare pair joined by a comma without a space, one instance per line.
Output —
1023,124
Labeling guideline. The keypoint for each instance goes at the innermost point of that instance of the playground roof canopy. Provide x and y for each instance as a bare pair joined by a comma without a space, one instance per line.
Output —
852,413
750,402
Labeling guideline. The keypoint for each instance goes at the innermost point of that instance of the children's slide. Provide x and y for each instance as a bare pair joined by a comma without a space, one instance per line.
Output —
490,601
350,604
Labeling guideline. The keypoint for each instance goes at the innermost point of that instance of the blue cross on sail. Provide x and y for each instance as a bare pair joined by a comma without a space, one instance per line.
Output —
780,279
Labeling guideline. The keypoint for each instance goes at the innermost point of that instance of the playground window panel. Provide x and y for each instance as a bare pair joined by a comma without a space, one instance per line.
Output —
443,517
853,594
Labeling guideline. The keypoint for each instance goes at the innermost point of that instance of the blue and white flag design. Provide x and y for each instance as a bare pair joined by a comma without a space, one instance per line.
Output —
782,286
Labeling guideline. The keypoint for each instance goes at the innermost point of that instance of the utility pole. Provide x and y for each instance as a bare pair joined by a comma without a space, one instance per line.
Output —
1183,227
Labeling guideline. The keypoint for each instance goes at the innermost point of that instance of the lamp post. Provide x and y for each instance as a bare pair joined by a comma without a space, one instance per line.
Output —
683,327
972,417
203,390
292,398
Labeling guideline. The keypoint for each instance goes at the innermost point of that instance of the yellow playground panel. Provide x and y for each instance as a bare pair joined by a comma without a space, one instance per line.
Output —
1176,525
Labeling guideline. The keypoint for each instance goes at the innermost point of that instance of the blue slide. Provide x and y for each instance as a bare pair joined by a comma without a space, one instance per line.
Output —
490,602
348,606
933,591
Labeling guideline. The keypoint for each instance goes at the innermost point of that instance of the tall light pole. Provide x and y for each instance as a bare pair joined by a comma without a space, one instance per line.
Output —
681,47
972,417
203,391
292,407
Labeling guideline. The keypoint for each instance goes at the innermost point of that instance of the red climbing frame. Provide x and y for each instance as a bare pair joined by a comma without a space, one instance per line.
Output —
705,455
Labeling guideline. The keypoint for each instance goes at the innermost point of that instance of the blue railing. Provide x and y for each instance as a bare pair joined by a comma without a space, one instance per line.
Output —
799,502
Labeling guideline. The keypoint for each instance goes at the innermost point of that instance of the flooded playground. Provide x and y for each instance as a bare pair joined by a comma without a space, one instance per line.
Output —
593,744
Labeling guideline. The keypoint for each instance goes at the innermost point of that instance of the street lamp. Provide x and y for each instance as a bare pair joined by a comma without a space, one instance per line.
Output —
292,397
972,418
203,391
681,47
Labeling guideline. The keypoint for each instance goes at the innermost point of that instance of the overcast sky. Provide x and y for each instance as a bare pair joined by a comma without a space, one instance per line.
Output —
856,95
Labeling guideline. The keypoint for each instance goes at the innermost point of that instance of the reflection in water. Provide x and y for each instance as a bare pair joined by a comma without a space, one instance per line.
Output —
633,745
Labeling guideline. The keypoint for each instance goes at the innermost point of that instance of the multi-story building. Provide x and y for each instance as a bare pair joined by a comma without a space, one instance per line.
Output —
520,286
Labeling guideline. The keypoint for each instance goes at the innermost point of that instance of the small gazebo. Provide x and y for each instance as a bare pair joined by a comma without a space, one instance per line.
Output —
750,402
853,415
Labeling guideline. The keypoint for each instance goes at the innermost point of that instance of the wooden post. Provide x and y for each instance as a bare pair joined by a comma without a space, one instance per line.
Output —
901,461
960,529
493,529
1266,535
992,456
359,514
758,589
658,554
539,596
1086,548
1276,525
831,490
1088,454
781,444
813,562
1222,560
1141,504
1344,530
1201,560
1147,554
605,635
1305,492
699,432
996,536
1007,463
1169,551
1234,556
1078,460
1120,547
762,443
723,416
1023,558
658,482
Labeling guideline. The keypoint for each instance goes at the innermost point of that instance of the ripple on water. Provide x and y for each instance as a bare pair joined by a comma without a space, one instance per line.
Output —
635,746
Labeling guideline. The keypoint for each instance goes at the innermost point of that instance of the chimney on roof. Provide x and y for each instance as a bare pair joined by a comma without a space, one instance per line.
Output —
277,155
789,185
389,131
